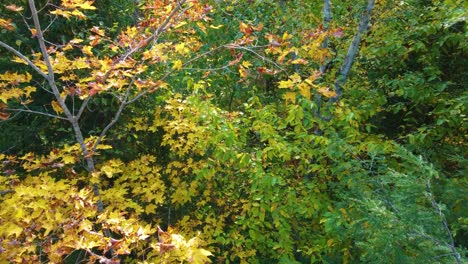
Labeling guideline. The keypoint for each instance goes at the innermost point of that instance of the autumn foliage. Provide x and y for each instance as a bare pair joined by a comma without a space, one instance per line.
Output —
195,131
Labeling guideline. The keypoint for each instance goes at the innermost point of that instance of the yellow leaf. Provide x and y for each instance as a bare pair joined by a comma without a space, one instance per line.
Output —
103,146
286,36
242,72
60,12
67,47
75,41
201,27
200,256
68,159
304,90
19,60
78,14
181,49
290,97
286,84
326,92
87,50
108,171
10,229
181,24
177,65
299,61
57,108
296,78
87,5
246,64
216,27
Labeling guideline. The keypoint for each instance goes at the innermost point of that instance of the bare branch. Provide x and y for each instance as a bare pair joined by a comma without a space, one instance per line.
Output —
36,112
50,24
233,46
82,108
23,57
114,120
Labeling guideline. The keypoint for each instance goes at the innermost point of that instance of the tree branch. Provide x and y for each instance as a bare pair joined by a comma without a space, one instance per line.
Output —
116,116
327,17
352,52
82,108
436,207
50,77
159,30
36,112
234,46
23,57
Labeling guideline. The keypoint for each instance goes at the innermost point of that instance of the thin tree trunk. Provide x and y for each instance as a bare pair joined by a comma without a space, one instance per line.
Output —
352,52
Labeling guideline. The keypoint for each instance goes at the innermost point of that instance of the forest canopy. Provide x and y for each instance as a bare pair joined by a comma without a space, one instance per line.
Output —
241,131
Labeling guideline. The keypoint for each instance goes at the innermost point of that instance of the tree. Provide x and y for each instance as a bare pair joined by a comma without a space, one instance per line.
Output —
75,73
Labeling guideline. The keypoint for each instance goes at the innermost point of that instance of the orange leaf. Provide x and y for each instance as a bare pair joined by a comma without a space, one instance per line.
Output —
33,32
7,24
14,8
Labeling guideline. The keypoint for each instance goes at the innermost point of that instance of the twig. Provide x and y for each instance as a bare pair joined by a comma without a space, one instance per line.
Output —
234,46
116,116
36,112
159,30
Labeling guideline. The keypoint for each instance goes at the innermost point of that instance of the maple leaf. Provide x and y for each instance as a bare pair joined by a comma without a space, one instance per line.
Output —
286,84
11,229
87,5
242,72
246,29
246,64
57,108
290,97
177,65
14,8
7,24
3,115
63,13
87,50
